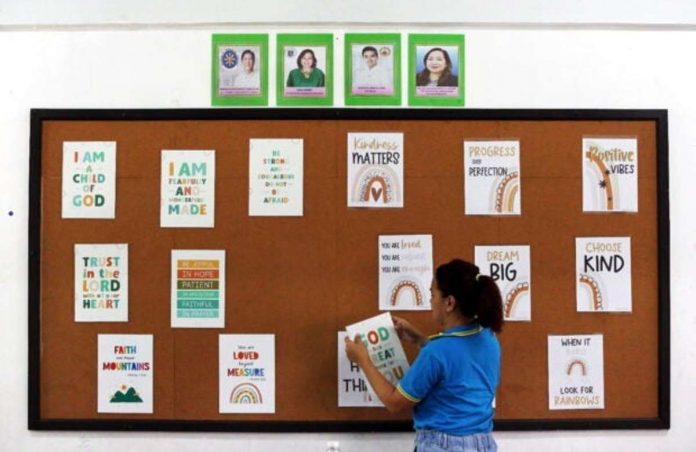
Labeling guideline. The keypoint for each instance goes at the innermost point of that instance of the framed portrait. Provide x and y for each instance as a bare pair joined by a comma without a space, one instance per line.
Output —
304,70
436,70
240,69
372,69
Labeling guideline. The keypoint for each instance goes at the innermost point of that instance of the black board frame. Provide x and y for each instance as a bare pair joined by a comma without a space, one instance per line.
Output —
38,116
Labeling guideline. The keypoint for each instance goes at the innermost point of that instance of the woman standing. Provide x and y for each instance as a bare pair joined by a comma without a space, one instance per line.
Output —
452,382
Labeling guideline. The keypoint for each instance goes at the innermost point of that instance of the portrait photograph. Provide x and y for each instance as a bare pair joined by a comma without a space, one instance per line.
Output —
372,67
436,70
305,70
239,69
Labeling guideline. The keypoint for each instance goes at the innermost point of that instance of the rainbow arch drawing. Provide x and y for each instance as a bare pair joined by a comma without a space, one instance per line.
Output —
512,296
592,285
505,193
406,285
604,176
577,363
246,393
376,184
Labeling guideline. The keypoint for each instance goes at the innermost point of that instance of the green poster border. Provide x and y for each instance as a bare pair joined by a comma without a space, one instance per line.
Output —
372,38
260,40
435,39
308,39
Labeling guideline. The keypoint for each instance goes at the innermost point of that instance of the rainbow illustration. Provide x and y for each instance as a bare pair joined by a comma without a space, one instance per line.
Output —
596,299
577,363
376,184
506,192
246,393
512,297
605,179
405,286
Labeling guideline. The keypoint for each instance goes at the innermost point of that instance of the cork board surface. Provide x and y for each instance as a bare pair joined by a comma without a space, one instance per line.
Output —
305,278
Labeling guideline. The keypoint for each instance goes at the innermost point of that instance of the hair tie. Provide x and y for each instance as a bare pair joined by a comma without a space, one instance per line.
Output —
478,275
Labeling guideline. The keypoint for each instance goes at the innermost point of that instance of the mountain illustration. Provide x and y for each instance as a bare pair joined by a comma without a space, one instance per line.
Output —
129,397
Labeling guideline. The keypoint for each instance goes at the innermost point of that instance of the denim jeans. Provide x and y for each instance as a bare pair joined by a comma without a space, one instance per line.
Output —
433,441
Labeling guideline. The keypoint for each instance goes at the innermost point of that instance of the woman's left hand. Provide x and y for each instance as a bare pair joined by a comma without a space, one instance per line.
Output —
356,350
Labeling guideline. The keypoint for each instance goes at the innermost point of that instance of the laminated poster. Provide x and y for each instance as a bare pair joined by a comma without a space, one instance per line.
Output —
198,289
603,274
405,272
125,368
383,345
576,372
353,388
610,174
509,267
101,283
188,189
247,373
276,177
375,170
89,179
492,178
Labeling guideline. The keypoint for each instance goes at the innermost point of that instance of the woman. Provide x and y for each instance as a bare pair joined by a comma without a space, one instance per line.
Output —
247,76
438,69
452,382
306,74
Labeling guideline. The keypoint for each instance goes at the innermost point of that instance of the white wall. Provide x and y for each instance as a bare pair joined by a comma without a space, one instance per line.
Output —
88,12
507,67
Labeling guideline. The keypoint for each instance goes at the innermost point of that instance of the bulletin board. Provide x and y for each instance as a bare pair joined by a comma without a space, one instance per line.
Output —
305,278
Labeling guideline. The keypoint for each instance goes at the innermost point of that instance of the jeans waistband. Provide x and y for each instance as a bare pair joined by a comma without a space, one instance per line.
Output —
433,440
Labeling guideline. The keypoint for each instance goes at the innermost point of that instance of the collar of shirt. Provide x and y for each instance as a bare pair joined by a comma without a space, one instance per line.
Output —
460,331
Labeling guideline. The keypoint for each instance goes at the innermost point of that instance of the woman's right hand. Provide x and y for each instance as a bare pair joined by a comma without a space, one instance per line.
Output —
408,332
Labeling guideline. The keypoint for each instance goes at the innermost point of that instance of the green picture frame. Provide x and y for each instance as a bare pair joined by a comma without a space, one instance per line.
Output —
295,87
232,83
372,69
447,88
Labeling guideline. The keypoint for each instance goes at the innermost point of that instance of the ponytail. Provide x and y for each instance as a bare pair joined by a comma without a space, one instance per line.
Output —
477,295
490,304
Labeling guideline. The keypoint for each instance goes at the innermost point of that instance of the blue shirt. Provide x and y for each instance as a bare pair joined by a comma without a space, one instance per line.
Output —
453,380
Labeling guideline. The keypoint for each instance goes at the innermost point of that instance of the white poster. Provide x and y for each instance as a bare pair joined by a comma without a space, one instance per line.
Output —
510,268
276,177
375,170
492,178
198,289
89,179
576,372
124,369
610,174
247,373
188,189
405,272
101,283
603,274
353,388
383,344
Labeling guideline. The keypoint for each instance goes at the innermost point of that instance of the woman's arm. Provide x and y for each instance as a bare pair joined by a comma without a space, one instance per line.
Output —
387,393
